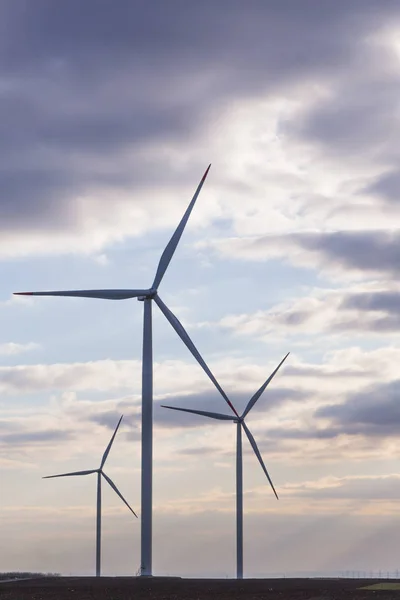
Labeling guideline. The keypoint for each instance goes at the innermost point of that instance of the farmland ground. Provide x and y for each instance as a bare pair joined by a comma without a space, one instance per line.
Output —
160,588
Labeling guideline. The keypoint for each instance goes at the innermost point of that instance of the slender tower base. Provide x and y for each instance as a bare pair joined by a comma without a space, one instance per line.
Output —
98,526
147,442
239,503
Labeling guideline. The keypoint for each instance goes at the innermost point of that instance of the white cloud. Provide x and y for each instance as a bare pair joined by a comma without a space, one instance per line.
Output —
363,309
12,348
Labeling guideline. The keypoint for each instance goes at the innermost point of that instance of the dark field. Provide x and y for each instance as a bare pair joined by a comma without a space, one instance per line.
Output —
128,588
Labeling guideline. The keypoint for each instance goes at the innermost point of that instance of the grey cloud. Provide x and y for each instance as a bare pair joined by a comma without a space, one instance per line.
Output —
327,433
7,426
369,304
30,379
94,35
295,317
373,251
210,401
339,311
163,417
130,423
386,301
362,488
374,411
35,437
265,446
387,186
369,251
375,312
202,451
364,250
61,157
33,378
280,440
83,82
321,372
357,117
109,418
373,414
355,324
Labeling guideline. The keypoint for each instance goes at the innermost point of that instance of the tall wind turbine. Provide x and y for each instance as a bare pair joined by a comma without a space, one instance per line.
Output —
240,424
147,295
100,474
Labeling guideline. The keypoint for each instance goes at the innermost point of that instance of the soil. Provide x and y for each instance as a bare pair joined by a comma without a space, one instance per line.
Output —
169,588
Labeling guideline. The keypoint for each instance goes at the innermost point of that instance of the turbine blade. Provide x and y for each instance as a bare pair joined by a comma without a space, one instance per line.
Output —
256,396
174,241
258,454
116,490
104,294
71,474
107,450
177,325
203,413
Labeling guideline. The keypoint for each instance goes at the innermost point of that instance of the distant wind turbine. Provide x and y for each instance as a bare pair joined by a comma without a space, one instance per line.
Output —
147,295
100,473
240,424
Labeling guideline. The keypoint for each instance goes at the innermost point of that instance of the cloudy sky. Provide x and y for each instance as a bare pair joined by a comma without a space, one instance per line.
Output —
110,113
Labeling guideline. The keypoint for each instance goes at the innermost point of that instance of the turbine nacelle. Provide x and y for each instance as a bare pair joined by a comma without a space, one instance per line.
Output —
150,295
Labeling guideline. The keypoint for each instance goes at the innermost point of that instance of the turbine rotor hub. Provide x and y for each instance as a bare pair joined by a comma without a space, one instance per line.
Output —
148,296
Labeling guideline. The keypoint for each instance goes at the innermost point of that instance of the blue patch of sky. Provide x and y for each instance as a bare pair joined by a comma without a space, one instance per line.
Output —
207,285
230,287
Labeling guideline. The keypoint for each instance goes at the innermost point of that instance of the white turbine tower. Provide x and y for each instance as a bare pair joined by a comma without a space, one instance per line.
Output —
100,474
240,423
147,295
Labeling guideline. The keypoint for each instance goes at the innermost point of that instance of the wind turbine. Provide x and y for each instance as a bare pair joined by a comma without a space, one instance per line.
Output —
146,296
100,474
240,424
